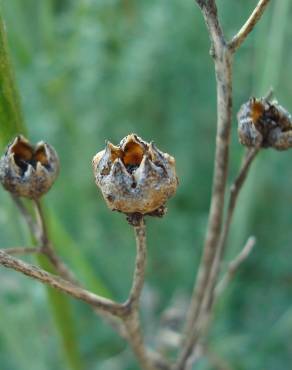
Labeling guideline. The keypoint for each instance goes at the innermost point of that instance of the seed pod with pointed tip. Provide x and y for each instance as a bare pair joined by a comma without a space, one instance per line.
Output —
135,177
28,171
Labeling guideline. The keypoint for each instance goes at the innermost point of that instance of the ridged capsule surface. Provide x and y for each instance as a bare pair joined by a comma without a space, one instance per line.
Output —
134,176
264,123
28,171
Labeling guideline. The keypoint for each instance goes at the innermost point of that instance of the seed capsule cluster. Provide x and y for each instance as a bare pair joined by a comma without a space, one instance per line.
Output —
135,176
265,124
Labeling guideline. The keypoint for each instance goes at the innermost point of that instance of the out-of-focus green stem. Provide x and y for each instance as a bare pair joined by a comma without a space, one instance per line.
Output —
11,120
11,124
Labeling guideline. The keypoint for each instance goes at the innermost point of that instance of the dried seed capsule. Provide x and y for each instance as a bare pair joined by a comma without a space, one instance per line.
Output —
135,177
264,123
28,171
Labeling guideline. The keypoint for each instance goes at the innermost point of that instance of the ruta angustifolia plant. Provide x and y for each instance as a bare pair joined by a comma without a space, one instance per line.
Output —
137,179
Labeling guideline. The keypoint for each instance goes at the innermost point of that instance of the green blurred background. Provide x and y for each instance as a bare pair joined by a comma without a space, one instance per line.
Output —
91,70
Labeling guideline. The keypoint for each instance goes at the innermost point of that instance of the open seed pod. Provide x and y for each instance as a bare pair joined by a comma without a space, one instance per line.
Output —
28,171
135,177
264,123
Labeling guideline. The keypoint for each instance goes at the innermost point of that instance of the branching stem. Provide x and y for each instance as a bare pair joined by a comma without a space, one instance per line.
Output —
61,284
203,291
245,30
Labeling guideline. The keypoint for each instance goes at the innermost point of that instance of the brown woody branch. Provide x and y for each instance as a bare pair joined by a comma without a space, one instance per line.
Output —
233,198
64,286
140,265
204,288
132,321
46,245
22,250
242,34
223,70
128,325
208,269
234,265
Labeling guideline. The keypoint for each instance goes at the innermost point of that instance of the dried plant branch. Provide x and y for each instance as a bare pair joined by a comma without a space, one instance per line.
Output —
223,69
234,265
204,291
201,327
245,30
64,286
25,214
209,293
39,231
47,248
22,250
132,321
136,341
140,265
207,273
128,325
214,360
233,197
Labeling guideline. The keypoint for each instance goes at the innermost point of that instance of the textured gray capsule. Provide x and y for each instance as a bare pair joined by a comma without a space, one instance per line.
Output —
28,171
134,177
264,123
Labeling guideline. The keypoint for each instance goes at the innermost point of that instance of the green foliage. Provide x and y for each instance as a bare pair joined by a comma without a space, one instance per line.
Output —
95,70
10,113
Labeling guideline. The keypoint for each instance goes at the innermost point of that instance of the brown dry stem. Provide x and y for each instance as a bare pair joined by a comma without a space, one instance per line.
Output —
140,265
202,300
62,285
222,53
234,266
47,247
245,30
22,250
124,317
132,321
233,198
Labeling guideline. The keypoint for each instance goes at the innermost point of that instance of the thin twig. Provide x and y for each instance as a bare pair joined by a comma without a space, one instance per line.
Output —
136,341
234,265
39,231
132,321
140,265
64,286
206,315
22,250
242,34
207,301
223,69
203,324
233,197
25,214
214,360
203,288
47,247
